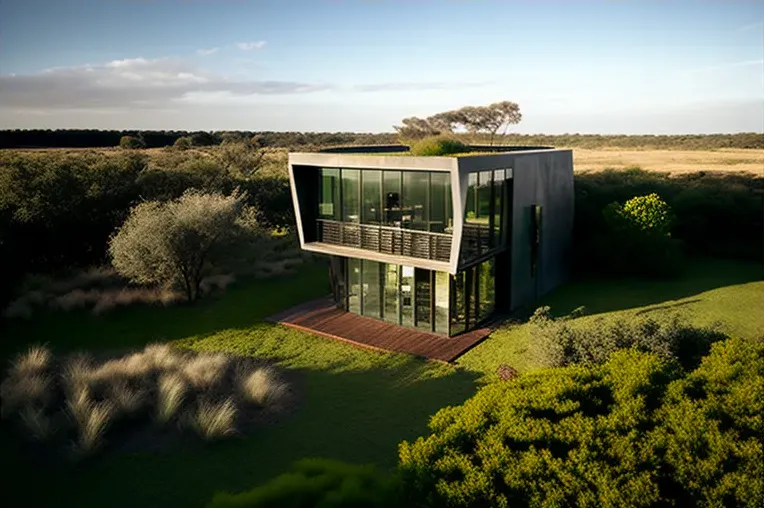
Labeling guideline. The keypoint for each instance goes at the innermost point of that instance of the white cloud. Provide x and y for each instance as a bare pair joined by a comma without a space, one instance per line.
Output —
206,52
249,46
130,83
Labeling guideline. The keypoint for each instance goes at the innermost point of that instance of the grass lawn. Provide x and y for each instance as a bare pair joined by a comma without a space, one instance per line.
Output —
709,291
356,405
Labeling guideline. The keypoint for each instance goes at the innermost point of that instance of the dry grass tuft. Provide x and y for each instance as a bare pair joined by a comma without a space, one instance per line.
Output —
127,399
262,386
205,370
37,423
133,367
172,390
34,361
28,389
213,420
77,374
92,420
163,356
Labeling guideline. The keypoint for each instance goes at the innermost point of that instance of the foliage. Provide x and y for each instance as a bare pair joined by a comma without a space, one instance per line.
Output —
714,214
474,119
435,146
638,238
183,143
555,343
317,483
131,142
178,242
242,158
611,434
85,400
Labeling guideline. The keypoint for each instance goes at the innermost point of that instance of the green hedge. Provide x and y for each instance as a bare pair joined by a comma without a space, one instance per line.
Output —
715,214
632,432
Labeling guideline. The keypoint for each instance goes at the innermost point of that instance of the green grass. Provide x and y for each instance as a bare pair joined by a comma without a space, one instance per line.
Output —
729,293
355,404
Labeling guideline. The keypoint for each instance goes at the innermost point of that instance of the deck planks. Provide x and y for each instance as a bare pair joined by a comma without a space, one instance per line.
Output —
322,317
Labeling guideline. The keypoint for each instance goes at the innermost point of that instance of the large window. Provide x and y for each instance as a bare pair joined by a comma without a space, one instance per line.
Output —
372,289
392,294
329,201
392,191
486,289
441,302
354,285
351,199
484,215
415,190
458,303
440,203
372,197
422,289
407,296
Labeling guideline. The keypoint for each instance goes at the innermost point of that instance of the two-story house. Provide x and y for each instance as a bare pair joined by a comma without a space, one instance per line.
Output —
439,244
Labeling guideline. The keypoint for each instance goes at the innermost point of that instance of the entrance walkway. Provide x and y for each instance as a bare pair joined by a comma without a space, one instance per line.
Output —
322,317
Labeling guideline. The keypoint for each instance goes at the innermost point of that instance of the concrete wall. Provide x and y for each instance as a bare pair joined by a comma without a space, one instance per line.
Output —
544,179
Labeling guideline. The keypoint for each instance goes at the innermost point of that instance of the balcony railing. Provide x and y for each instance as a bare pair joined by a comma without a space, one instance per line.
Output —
386,239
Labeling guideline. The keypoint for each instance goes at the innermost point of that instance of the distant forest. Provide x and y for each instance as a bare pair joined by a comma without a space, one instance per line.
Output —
91,138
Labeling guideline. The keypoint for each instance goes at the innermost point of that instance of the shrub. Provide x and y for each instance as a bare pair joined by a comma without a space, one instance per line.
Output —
131,142
179,242
172,389
613,434
261,386
639,239
317,483
213,420
557,343
183,143
435,146
37,423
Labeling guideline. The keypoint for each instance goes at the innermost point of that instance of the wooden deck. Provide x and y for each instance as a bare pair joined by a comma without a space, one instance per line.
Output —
322,317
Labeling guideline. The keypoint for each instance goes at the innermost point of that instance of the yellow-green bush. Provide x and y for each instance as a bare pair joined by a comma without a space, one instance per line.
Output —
631,432
434,146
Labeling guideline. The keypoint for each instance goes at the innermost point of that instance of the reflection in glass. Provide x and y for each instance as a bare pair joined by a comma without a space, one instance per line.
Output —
458,303
392,181
485,200
440,199
372,197
415,184
329,194
354,285
407,296
391,293
351,210
441,302
498,201
471,233
422,297
487,288
371,289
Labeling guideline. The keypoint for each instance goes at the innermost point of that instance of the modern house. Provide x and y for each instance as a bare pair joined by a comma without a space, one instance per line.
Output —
439,244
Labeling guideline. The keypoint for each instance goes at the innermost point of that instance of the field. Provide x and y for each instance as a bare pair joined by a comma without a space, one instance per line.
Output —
673,161
355,405
584,159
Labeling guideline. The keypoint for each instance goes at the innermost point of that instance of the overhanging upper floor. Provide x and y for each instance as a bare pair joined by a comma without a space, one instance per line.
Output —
438,213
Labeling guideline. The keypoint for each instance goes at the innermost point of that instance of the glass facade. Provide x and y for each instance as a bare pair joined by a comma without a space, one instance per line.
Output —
426,300
485,215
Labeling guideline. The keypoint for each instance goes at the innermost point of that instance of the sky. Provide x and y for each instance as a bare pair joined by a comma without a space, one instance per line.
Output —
577,66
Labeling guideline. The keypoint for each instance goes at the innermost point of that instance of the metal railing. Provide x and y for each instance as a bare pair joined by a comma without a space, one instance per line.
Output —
386,239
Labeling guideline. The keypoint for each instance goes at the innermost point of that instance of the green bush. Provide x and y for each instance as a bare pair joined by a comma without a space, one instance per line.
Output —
638,239
183,143
605,435
131,142
434,146
317,483
716,214
556,343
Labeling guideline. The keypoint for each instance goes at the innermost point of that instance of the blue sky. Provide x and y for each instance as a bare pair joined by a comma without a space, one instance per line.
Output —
361,65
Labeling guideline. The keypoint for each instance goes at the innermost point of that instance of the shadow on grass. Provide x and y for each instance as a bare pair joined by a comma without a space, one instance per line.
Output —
242,305
354,415
606,295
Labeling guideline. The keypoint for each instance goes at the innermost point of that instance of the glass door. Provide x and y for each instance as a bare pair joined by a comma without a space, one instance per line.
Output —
392,294
407,296
422,297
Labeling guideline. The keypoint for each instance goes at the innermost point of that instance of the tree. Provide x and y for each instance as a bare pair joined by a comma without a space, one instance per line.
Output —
177,243
241,158
416,128
183,143
131,142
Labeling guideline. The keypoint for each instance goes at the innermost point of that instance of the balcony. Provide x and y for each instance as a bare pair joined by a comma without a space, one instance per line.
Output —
386,239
